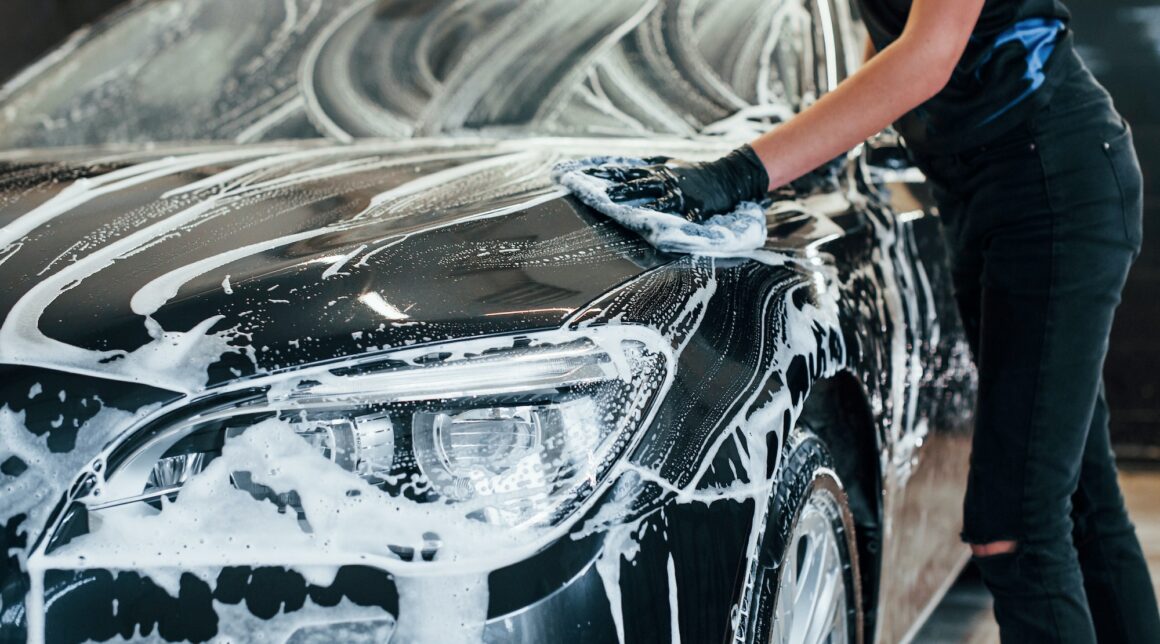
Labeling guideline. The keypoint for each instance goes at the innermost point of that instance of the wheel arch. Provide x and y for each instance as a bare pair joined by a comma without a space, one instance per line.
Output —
838,411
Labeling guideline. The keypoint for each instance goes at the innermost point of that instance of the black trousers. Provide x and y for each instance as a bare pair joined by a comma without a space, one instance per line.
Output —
1043,225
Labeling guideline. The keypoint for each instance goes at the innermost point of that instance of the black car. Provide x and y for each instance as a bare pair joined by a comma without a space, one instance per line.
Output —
300,343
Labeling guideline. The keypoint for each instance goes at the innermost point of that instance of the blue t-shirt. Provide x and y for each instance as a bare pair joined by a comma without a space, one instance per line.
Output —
1016,53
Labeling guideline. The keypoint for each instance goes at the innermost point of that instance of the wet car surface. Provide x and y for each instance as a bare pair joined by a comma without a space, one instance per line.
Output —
350,366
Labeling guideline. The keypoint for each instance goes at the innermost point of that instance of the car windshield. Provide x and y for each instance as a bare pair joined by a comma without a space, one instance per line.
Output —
187,70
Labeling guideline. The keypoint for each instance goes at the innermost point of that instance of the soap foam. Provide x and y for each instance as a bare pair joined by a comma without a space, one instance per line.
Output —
725,235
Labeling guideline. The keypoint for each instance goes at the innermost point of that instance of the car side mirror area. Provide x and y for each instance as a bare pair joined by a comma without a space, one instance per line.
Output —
885,159
886,150
824,178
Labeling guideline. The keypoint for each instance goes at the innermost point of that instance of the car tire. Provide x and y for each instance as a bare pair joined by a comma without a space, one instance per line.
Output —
803,584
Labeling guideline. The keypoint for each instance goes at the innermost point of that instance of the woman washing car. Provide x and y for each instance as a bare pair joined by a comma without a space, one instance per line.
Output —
1039,192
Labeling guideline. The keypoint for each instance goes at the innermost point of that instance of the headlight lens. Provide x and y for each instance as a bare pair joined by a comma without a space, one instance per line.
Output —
510,457
518,436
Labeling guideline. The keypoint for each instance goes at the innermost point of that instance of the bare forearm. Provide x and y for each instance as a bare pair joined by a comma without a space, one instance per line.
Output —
892,83
897,79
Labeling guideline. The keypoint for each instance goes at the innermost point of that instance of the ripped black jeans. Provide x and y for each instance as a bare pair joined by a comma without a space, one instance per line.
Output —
1043,225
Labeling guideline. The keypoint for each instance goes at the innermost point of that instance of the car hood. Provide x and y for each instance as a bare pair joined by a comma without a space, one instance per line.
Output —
188,267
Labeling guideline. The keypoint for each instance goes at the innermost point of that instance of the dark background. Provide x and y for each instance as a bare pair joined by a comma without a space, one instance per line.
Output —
29,28
1120,40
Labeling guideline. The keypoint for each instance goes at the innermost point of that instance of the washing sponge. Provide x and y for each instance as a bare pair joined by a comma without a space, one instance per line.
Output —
725,235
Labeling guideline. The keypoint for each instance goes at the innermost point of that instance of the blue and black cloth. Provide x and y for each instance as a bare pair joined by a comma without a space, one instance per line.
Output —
1016,56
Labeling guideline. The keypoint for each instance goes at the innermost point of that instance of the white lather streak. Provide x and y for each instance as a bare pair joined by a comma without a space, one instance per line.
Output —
167,360
177,360
85,190
164,362
20,330
214,524
151,297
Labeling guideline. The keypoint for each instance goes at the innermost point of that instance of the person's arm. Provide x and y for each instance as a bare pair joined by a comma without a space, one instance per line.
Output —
903,75
892,82
868,51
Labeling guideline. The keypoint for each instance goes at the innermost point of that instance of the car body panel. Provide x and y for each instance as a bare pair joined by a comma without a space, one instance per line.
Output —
326,240
738,384
145,285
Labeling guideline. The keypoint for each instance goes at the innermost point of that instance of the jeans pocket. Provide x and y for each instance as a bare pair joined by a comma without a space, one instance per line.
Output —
1126,167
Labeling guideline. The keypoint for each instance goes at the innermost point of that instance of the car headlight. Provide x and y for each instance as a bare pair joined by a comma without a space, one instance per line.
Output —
510,437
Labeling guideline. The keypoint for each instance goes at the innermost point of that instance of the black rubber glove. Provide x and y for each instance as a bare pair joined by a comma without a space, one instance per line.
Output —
693,190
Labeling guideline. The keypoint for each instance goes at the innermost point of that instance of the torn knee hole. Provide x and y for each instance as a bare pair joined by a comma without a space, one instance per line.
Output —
993,548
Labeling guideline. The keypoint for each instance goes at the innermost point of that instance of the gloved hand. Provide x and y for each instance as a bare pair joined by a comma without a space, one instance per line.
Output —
693,190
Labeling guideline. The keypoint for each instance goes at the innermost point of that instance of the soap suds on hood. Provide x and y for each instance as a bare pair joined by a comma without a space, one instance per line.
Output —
724,235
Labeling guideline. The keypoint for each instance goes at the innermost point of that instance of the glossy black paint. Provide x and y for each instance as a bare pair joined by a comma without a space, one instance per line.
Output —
472,241
646,288
434,274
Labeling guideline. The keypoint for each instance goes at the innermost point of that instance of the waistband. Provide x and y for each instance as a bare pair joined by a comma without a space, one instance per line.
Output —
1019,136
1064,63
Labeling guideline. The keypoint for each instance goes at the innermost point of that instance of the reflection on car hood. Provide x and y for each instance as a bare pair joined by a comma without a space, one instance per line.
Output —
150,268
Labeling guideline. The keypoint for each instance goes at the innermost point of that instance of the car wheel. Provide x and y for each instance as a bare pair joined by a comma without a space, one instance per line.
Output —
803,586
